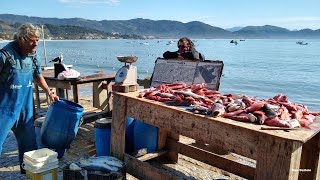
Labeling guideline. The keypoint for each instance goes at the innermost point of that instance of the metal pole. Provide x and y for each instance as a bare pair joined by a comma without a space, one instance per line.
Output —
44,47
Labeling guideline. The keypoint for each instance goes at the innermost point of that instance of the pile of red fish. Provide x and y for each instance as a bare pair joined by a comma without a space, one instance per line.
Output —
277,111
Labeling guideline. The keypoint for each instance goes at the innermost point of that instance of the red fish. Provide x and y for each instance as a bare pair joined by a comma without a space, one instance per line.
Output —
277,122
261,117
234,113
304,123
254,107
218,110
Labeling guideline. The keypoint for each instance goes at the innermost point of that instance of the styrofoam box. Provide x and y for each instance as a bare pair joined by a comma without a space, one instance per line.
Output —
40,164
48,167
43,155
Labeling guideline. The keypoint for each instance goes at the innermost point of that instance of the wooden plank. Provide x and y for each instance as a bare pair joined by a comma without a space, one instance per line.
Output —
310,159
95,78
188,124
212,159
49,74
162,137
214,147
94,116
58,84
75,93
110,96
172,153
143,170
118,126
90,108
277,158
107,85
61,93
152,155
67,94
100,95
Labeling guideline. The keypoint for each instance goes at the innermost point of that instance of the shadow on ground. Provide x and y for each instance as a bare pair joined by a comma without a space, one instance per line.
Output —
9,161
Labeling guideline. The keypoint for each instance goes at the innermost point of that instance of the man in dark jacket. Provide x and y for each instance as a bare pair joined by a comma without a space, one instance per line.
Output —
186,51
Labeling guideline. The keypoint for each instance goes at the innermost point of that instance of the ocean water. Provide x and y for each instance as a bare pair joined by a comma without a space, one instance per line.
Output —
260,68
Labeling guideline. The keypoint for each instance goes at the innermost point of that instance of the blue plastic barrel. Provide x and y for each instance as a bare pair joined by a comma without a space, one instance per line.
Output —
61,125
102,134
129,134
145,136
37,127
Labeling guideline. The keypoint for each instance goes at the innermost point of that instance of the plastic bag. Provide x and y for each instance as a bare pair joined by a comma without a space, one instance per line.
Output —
68,74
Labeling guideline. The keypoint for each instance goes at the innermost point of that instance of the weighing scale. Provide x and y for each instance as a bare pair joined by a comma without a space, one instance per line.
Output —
126,77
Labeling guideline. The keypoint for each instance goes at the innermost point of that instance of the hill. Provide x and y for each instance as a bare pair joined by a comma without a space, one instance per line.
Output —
266,31
146,28
65,32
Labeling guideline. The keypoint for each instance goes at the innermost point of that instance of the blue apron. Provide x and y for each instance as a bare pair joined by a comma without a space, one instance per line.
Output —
16,109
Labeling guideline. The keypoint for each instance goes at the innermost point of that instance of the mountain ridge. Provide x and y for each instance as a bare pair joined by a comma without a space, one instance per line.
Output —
146,28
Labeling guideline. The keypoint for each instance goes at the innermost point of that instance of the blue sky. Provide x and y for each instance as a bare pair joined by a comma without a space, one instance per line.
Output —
293,14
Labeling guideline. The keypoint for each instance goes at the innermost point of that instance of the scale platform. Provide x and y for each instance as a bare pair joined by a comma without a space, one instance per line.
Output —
125,88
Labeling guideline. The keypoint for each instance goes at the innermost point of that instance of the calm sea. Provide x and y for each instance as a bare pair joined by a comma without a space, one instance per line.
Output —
261,68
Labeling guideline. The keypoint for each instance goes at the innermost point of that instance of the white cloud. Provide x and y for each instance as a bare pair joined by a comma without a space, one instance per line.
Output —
110,2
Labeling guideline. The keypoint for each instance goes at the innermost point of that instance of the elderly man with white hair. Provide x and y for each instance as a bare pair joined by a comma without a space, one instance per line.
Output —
19,67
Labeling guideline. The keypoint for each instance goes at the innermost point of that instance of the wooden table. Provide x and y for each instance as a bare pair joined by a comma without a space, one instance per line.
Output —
66,84
101,88
278,154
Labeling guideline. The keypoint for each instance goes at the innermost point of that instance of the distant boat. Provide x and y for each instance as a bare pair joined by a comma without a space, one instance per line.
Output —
145,43
242,39
301,43
170,42
234,41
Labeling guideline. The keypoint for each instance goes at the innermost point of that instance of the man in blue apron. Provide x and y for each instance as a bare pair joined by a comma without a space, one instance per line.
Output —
19,66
